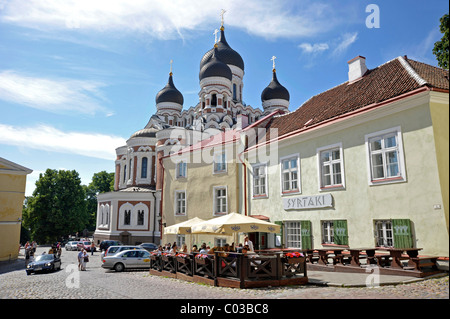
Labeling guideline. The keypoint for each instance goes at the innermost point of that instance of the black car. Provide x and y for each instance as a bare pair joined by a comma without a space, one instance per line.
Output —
149,246
105,244
47,262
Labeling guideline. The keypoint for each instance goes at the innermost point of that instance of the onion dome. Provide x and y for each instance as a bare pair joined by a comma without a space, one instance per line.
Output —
224,52
170,93
215,68
146,132
275,90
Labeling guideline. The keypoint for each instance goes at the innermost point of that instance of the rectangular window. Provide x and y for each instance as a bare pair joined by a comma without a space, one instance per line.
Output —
181,169
220,163
335,232
385,156
259,181
180,203
290,175
331,168
383,233
293,234
220,200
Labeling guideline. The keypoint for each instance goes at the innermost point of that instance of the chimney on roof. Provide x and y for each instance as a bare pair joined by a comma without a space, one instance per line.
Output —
241,121
356,68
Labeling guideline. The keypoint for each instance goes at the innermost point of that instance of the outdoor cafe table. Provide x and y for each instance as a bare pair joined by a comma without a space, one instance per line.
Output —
355,254
396,254
325,252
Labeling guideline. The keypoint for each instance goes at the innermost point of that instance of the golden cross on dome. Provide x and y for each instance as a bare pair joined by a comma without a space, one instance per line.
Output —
273,61
171,62
215,35
222,13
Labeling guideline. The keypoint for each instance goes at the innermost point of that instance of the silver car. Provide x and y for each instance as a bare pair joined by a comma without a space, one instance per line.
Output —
128,259
112,250
71,245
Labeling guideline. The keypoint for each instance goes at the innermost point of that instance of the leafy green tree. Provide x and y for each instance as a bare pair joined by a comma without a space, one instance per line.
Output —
102,182
441,47
57,207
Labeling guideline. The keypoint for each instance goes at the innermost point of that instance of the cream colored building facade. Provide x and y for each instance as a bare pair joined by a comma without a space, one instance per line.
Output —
202,181
376,176
12,194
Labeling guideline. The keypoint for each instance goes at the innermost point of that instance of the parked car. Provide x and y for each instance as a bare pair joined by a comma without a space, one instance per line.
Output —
149,246
86,244
112,250
128,259
105,244
71,245
47,262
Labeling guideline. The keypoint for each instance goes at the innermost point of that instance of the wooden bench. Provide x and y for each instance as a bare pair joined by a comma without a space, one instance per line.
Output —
424,262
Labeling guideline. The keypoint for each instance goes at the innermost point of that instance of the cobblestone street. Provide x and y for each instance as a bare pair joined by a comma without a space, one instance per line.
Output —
98,283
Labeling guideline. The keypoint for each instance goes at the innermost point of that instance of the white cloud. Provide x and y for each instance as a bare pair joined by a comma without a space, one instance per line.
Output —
172,19
52,95
48,138
313,48
346,40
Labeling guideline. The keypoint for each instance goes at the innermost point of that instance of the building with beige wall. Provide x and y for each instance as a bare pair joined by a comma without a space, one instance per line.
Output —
12,194
202,181
363,164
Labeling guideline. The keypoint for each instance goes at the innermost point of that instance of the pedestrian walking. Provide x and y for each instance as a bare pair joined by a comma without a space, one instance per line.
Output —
80,255
92,248
84,259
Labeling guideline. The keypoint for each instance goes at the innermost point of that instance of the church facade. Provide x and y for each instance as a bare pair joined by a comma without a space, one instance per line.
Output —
132,212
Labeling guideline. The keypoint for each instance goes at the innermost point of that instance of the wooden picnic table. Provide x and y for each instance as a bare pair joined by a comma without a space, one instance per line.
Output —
324,254
397,255
356,255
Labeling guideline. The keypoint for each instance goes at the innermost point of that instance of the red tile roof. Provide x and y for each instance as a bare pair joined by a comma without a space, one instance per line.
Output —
392,79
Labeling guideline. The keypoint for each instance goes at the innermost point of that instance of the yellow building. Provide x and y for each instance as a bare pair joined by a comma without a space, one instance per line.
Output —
12,194
202,181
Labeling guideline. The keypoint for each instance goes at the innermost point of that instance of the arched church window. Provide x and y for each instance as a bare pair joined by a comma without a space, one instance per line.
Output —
140,220
124,173
144,166
214,100
127,217
234,91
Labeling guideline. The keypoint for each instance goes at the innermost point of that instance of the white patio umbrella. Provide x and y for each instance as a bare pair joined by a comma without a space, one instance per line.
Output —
183,228
234,223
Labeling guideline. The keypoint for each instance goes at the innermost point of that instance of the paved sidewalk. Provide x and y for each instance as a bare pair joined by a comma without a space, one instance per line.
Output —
343,279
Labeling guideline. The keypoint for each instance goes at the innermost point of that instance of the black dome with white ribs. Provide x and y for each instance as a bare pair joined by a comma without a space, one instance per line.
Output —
169,93
215,68
224,52
275,90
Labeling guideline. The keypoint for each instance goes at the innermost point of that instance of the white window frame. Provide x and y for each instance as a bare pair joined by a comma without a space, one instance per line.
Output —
293,233
328,232
320,165
299,188
177,201
384,233
222,156
257,168
183,166
215,189
401,177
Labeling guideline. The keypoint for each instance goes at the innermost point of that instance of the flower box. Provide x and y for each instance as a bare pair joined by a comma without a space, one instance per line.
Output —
182,258
202,259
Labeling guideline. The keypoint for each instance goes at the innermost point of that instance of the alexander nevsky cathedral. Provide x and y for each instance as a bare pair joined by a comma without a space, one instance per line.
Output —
130,213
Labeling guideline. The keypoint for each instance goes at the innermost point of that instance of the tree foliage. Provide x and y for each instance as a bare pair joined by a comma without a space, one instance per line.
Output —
441,47
57,207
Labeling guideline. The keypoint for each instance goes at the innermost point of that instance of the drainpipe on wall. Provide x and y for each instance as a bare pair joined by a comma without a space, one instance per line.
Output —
162,197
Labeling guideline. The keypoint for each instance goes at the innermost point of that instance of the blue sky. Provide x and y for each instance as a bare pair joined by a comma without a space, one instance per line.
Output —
77,78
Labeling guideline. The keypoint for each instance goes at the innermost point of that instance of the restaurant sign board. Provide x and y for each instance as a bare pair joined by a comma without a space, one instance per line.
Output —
308,202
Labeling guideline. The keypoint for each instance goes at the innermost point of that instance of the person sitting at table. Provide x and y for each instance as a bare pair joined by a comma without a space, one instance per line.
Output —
184,249
194,249
203,249
174,249
250,254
